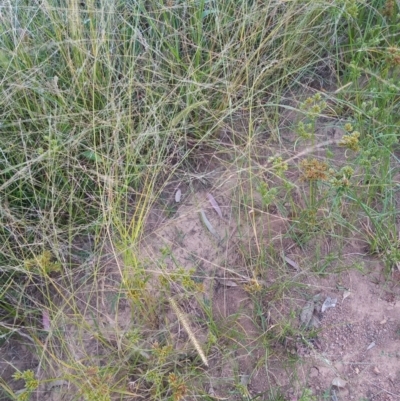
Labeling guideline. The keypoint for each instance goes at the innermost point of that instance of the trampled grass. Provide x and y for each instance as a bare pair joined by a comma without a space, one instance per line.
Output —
106,107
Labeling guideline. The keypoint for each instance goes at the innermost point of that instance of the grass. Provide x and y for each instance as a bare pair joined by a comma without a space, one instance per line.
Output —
107,105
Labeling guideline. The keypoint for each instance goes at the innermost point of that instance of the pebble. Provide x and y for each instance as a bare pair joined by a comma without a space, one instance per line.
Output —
338,382
339,366
376,371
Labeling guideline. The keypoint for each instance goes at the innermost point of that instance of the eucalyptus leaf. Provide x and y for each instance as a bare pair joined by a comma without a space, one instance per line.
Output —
227,283
292,263
214,204
208,224
178,195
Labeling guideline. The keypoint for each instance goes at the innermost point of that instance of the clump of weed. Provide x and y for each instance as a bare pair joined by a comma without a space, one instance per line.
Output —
95,385
312,107
351,139
307,395
341,179
268,195
314,170
162,352
43,264
253,287
327,184
350,7
178,387
31,384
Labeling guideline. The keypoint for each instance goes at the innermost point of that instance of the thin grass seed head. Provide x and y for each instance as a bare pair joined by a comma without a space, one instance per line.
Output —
182,318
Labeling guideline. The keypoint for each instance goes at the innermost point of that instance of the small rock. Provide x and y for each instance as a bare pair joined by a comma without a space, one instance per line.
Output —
339,366
324,371
372,345
376,371
338,382
344,394
315,322
328,303
178,195
346,294
383,321
244,380
307,313
357,371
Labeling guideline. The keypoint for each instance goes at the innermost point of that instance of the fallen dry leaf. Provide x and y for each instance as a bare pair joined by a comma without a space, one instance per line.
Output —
46,320
292,263
227,283
214,204
207,223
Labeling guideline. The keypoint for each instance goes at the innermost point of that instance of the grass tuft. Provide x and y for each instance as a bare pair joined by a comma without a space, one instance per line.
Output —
286,112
